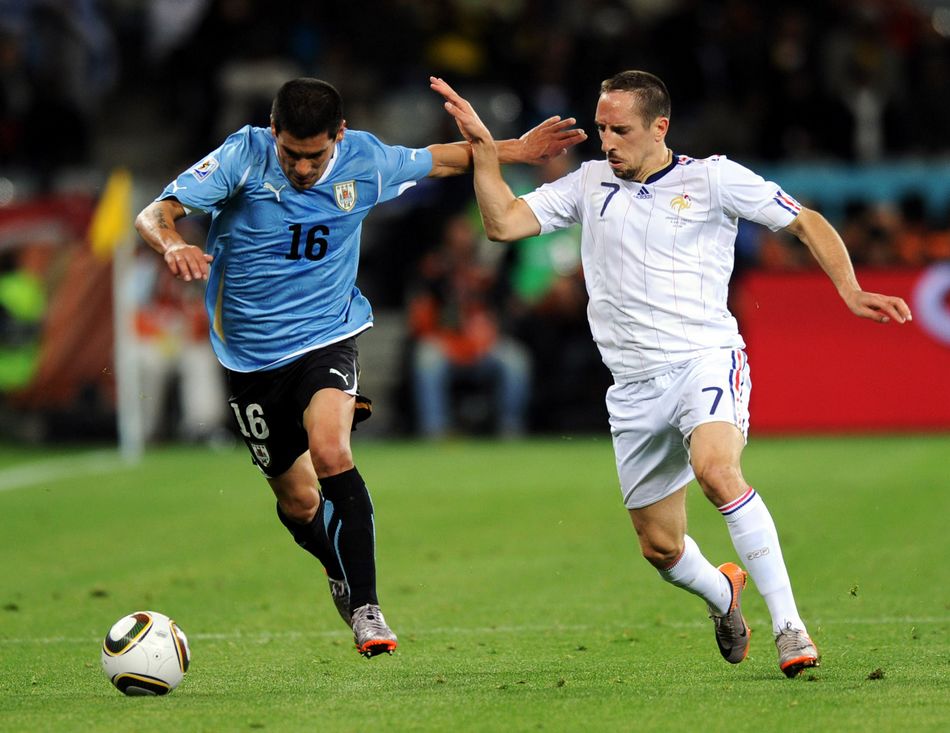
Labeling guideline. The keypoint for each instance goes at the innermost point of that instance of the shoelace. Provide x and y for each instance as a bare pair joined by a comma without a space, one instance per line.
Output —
724,622
368,614
791,640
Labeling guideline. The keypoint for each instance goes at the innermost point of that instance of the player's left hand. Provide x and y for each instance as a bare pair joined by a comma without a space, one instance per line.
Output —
551,138
468,121
880,308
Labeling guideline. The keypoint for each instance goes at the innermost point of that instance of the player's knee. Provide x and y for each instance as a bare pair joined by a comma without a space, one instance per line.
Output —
718,479
301,507
661,554
331,457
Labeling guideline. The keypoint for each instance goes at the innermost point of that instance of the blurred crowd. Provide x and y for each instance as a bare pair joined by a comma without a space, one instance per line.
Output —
849,79
837,82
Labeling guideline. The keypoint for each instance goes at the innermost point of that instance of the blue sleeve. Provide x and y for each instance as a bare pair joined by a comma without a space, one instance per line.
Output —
212,181
399,167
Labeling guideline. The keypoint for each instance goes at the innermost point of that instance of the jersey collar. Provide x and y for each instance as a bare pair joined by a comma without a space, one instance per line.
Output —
330,164
654,177
326,171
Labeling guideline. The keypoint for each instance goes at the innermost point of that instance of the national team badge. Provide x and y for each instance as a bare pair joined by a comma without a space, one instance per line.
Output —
261,454
681,202
205,168
345,195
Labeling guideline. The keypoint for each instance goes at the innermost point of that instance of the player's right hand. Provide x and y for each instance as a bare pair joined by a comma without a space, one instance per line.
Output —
187,262
877,307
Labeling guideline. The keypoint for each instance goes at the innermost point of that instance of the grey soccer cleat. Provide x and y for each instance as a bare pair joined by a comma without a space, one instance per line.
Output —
796,651
370,632
340,592
732,632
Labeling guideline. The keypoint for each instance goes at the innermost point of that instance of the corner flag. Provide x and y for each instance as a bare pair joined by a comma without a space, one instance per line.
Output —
112,219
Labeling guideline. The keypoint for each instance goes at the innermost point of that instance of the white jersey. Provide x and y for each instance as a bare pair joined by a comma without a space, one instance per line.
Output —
658,255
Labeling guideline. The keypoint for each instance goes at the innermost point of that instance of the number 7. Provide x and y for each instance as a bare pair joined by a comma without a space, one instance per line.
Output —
614,187
715,404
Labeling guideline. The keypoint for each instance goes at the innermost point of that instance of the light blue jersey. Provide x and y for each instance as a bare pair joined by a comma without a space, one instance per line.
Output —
283,278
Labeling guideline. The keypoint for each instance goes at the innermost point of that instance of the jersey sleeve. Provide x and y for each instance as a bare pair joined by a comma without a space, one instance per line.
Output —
747,195
555,204
209,183
399,167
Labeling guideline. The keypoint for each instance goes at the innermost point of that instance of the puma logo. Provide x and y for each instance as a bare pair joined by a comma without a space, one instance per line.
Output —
276,191
344,377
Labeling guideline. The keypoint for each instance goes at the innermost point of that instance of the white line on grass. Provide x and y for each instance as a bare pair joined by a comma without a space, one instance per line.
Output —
56,469
264,637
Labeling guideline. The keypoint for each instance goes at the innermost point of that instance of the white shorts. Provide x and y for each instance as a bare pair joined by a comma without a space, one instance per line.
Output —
651,421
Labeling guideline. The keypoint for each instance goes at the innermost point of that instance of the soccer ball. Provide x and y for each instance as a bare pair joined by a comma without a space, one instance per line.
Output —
145,653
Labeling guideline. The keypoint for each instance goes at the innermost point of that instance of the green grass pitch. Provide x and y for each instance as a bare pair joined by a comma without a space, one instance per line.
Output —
510,572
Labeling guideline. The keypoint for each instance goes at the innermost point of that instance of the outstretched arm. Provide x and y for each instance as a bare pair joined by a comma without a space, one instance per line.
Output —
156,225
505,217
551,138
829,250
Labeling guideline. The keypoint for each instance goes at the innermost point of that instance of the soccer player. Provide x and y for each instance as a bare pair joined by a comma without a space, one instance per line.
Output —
287,203
658,233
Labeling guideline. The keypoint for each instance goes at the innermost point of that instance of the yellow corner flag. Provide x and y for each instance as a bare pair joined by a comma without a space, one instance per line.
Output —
112,219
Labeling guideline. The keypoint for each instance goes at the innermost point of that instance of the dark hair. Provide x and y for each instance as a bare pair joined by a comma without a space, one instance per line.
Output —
307,107
652,96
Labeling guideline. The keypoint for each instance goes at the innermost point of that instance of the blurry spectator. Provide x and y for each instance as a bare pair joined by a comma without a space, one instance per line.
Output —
172,350
868,232
777,252
550,307
457,337
917,242
540,261
570,378
864,71
22,309
69,56
15,96
929,71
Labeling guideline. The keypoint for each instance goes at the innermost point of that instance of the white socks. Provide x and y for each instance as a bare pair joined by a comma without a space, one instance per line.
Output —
756,540
696,574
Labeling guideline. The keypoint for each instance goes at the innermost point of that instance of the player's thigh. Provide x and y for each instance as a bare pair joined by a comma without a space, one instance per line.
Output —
716,444
713,415
280,415
652,461
328,421
715,453
268,419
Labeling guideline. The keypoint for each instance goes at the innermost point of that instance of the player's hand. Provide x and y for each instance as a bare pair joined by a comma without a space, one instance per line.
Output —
469,123
551,138
187,262
880,308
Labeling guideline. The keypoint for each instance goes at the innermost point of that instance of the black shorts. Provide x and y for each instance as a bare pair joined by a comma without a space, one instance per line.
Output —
268,406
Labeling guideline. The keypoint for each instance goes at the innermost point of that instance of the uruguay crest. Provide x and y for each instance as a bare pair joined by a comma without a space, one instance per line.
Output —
345,194
261,454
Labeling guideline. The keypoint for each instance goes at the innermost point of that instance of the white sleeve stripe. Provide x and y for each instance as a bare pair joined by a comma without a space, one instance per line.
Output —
240,185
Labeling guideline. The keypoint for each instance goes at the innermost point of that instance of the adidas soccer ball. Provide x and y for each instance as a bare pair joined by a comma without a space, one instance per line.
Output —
145,653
